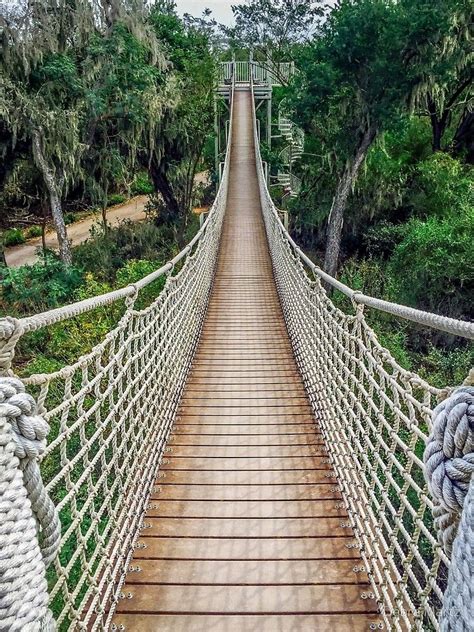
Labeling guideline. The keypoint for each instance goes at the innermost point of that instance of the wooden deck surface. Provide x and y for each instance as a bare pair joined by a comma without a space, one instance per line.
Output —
246,532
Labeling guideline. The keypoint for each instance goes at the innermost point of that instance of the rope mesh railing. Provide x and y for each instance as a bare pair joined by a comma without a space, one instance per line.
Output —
109,416
376,418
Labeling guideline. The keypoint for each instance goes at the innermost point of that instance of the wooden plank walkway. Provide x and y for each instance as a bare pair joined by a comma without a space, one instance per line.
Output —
247,533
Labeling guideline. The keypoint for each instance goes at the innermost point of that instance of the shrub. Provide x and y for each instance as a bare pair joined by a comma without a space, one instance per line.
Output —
446,185
43,285
33,231
105,253
382,239
142,185
116,198
13,237
434,265
447,368
70,218
134,271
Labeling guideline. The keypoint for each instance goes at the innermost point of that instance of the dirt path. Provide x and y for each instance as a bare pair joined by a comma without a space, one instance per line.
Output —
78,232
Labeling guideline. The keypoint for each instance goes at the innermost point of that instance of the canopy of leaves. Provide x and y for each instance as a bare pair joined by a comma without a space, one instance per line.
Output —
107,87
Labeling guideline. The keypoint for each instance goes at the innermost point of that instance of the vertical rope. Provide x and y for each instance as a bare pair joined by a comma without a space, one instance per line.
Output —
26,512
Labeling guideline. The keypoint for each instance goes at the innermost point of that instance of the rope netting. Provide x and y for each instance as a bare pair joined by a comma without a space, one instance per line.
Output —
109,417
99,429
376,419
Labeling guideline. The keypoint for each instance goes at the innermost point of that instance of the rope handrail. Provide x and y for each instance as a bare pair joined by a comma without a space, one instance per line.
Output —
38,321
80,451
402,464
453,326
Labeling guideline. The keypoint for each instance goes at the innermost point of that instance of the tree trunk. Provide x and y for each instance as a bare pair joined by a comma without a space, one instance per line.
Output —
437,133
438,124
464,136
3,261
44,223
163,187
343,191
54,199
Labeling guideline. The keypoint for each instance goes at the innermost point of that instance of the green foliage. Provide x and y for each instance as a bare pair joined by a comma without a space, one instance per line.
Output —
434,264
432,355
273,27
441,367
381,239
142,185
13,237
133,83
38,287
106,252
446,184
70,218
134,271
116,198
33,231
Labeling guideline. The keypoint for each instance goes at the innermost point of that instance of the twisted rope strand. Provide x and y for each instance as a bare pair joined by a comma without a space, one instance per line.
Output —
24,508
458,606
449,461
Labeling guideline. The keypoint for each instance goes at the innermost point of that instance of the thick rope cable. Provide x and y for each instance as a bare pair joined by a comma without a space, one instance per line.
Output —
25,510
375,417
449,461
458,604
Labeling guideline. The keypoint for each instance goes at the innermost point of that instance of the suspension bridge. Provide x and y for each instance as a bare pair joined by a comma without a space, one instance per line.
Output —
240,455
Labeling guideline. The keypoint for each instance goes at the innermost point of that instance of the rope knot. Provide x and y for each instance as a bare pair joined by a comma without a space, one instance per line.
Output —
449,460
28,433
10,333
29,429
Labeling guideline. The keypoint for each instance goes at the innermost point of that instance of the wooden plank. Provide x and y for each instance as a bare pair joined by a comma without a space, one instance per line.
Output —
246,477
282,548
247,623
223,390
248,432
260,408
242,420
255,464
246,573
243,527
247,599
258,401
216,441
272,508
246,492
243,452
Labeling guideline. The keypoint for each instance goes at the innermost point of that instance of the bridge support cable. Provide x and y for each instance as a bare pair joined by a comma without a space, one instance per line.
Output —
376,417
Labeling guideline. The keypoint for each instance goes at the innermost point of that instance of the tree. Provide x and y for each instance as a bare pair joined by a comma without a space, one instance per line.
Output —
271,28
438,56
123,105
81,96
187,118
351,85
39,101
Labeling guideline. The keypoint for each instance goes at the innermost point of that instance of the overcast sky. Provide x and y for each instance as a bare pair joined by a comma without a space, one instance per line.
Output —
220,8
